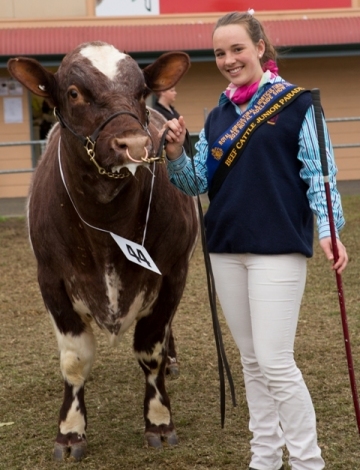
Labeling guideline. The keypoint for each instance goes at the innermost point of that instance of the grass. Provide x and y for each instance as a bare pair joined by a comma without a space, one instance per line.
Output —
31,385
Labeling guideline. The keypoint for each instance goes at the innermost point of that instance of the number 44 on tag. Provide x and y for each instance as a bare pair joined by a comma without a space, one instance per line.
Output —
135,253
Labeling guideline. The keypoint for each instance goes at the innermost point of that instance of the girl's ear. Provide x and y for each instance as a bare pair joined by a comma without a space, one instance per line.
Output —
261,47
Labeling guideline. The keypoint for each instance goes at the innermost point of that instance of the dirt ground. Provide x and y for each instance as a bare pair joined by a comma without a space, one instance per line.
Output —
31,385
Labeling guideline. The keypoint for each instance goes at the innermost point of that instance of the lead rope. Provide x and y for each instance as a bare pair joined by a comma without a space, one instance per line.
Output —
78,213
221,355
148,209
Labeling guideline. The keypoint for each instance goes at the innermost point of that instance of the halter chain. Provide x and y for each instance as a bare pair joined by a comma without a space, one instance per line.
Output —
89,143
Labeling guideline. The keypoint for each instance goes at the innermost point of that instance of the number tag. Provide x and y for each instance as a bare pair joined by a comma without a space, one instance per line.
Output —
135,253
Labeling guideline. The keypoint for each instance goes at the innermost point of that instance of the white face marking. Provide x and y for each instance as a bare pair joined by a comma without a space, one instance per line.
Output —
104,58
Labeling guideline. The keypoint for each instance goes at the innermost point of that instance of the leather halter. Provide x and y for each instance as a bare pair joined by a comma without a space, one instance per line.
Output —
89,142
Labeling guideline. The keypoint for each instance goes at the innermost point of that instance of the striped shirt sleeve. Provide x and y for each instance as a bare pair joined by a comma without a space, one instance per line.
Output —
181,171
311,173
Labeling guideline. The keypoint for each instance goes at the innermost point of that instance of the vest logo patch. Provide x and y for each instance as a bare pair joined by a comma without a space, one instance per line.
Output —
217,153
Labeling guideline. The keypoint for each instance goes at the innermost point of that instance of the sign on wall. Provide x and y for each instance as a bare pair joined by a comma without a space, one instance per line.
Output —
213,6
13,112
127,7
158,7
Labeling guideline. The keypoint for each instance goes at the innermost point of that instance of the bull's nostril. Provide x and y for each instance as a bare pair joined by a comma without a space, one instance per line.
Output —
119,146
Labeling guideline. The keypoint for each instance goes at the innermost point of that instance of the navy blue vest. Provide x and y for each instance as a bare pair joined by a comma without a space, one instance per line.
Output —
262,206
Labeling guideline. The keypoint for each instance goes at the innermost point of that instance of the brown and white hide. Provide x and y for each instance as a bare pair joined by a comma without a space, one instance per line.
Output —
94,180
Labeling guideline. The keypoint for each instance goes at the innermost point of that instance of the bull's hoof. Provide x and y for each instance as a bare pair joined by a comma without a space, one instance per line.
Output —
78,451
74,452
172,439
153,440
172,368
61,452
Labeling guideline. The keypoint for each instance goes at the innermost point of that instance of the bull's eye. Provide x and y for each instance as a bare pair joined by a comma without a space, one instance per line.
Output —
76,96
73,93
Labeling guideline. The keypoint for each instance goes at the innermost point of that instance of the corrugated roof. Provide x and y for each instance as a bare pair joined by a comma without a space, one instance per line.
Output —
188,37
314,32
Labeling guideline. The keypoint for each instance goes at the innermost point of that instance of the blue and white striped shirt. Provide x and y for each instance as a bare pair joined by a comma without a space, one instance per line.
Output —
181,171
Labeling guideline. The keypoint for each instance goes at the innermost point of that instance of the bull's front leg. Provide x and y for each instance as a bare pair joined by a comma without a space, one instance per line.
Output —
76,358
76,343
151,353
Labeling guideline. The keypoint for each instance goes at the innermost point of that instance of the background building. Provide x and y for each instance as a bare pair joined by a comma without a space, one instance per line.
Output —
318,42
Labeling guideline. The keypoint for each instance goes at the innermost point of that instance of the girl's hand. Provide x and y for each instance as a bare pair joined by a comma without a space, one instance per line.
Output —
175,137
341,263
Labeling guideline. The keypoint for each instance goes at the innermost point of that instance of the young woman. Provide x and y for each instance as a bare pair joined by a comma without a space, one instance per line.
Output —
258,158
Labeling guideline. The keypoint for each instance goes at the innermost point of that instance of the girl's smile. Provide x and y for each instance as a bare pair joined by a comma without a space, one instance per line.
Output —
237,57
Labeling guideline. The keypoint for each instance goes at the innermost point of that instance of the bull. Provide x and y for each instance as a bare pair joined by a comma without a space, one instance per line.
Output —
112,237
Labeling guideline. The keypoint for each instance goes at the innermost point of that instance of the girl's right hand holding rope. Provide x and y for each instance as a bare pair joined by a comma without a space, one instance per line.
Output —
175,137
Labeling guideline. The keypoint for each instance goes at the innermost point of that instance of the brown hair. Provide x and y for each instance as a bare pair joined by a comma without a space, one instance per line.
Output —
254,28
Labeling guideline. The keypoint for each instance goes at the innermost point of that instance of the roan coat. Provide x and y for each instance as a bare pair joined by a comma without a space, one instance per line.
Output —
84,191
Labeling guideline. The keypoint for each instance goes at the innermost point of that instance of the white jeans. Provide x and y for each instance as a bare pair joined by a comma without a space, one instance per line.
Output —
260,296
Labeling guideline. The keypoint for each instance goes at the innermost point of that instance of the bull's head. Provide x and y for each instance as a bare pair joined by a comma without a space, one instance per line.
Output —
99,96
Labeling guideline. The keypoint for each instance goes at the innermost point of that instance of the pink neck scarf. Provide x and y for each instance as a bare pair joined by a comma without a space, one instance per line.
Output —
244,93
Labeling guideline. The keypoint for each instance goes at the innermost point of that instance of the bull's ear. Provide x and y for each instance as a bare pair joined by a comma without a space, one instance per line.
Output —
30,73
166,71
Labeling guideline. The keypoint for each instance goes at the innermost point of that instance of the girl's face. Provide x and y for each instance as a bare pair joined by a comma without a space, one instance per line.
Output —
237,57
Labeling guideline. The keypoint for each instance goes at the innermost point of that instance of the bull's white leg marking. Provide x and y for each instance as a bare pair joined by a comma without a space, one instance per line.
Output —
77,355
155,355
158,413
75,421
104,58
